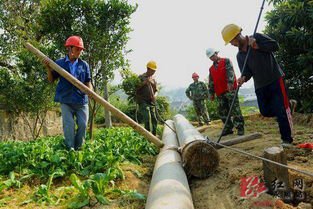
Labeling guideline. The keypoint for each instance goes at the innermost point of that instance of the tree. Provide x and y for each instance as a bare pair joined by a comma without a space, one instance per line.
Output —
24,89
104,27
290,23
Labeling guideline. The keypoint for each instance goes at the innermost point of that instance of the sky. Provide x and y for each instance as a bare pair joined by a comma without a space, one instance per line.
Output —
176,33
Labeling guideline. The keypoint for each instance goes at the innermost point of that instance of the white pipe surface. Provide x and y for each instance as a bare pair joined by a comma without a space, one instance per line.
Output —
169,187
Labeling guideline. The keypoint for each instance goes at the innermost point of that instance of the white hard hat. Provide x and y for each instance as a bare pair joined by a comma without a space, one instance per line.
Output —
210,52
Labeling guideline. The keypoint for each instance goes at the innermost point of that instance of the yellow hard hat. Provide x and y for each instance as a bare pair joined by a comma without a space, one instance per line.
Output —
229,32
152,65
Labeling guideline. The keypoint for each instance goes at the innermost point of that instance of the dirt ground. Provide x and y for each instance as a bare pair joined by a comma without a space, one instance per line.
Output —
223,190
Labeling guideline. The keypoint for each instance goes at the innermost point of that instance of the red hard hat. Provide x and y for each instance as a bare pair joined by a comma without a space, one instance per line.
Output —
195,75
75,41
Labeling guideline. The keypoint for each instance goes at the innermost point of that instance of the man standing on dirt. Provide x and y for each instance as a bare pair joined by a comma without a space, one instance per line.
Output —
198,93
74,103
223,84
146,93
267,75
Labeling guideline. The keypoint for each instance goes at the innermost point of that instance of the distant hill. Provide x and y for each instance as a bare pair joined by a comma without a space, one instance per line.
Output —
246,91
249,97
175,95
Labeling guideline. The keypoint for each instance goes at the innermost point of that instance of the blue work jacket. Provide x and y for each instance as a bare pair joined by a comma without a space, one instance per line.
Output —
66,92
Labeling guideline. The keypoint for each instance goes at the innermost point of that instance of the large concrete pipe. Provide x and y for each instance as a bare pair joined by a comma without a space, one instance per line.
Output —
169,187
200,159
116,112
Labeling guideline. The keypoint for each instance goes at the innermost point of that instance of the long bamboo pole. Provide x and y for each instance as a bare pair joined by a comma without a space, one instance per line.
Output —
116,112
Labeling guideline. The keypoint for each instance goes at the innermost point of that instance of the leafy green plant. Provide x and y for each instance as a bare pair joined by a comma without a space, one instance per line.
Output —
98,162
129,83
11,182
99,185
83,198
43,192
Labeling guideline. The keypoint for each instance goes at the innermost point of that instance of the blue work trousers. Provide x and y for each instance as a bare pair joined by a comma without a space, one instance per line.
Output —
74,138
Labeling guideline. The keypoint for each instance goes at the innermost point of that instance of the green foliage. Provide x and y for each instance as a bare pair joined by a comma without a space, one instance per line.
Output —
290,23
83,197
97,187
212,107
116,101
47,159
46,156
11,182
22,78
163,108
43,192
247,110
104,27
24,89
129,84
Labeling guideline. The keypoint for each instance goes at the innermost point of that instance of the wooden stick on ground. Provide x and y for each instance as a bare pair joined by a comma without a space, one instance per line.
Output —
239,139
116,112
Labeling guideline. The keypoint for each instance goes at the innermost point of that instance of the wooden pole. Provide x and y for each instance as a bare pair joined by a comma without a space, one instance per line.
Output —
200,159
169,187
239,140
275,177
116,112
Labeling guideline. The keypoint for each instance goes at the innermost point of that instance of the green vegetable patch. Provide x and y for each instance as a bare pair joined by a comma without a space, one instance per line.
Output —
43,173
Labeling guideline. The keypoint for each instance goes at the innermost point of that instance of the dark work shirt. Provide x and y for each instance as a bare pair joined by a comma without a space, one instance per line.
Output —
261,64
145,92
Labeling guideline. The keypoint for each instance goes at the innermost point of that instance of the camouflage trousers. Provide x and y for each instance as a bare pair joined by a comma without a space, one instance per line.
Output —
149,117
224,103
201,111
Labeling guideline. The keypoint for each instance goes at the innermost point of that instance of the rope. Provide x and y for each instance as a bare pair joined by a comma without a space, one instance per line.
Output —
160,119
